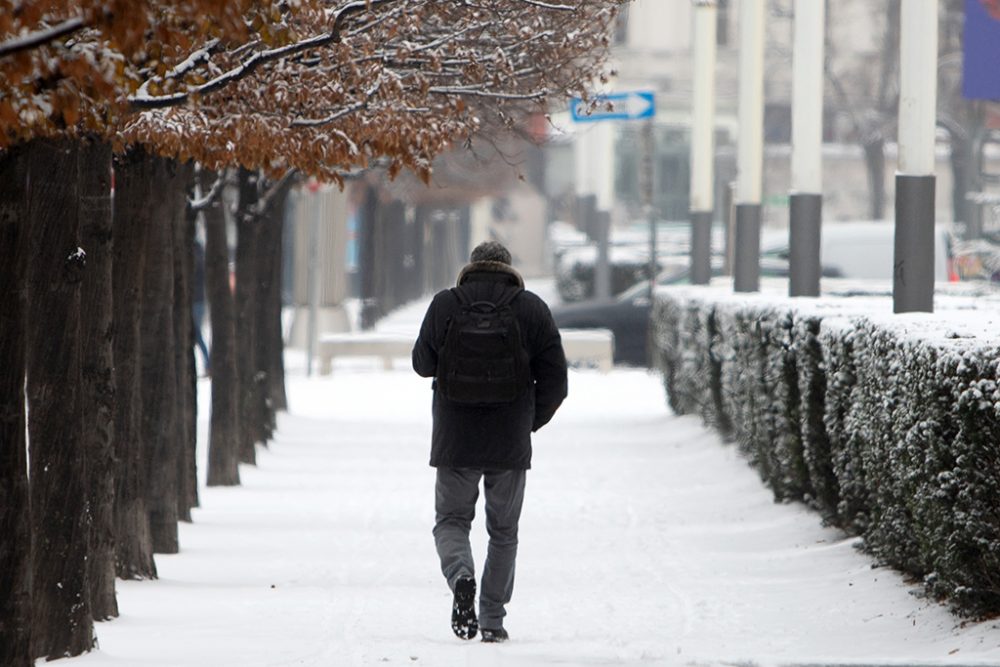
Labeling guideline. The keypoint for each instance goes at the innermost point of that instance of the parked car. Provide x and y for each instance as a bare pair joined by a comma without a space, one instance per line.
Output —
575,270
627,315
864,250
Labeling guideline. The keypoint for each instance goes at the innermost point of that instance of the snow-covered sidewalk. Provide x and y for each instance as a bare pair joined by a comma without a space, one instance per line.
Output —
644,540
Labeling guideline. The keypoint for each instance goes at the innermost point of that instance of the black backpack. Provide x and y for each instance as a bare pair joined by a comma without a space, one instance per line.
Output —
482,361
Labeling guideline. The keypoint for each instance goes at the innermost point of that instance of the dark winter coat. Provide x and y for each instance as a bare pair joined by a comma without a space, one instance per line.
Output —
493,437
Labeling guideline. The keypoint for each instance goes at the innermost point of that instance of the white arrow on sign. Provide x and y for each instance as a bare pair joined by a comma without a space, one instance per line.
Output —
624,106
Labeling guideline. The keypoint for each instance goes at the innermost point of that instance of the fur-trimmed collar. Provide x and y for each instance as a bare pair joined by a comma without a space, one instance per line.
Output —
491,267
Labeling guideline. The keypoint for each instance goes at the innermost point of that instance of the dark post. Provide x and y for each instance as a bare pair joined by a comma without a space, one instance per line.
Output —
806,212
586,211
646,180
746,261
701,247
729,220
913,263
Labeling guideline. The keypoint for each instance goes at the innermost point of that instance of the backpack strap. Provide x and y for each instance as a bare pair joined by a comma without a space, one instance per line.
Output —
505,299
509,296
462,297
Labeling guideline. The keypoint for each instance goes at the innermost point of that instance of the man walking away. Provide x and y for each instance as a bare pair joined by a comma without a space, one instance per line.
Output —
500,374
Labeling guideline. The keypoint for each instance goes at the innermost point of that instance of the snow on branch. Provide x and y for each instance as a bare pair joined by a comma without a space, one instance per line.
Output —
182,68
549,5
41,37
142,100
357,106
478,92
245,69
193,60
201,203
335,85
265,200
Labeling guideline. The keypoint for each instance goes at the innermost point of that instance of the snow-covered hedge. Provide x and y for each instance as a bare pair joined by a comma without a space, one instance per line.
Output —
888,425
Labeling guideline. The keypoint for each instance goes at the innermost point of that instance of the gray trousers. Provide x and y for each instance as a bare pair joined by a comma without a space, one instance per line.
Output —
456,492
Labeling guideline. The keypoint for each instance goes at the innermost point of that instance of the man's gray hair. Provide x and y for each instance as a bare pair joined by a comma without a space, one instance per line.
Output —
491,251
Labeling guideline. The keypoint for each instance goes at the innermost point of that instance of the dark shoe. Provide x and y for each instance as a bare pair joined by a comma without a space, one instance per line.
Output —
463,609
495,636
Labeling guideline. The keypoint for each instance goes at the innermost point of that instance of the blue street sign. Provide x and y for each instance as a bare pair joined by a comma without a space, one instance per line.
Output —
634,105
981,78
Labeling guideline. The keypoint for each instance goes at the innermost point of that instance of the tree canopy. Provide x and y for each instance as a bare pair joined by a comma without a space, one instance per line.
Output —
323,86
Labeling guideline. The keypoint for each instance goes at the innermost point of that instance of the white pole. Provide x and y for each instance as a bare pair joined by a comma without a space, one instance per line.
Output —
703,140
750,148
805,203
750,155
602,161
918,47
703,106
581,163
807,97
913,256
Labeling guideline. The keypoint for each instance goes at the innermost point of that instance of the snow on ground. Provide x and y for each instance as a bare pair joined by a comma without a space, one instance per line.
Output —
644,540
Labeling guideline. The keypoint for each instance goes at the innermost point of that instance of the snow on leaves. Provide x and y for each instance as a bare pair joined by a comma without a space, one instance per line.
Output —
322,86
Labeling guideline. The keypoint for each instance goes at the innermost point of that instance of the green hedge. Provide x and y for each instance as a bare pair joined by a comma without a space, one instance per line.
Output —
889,426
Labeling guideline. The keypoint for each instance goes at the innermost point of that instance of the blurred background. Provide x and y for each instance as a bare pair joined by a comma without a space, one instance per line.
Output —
545,190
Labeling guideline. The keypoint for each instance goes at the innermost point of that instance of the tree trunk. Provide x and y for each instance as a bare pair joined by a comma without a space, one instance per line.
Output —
263,257
62,619
224,426
94,176
182,229
420,225
274,332
134,201
246,243
368,257
412,260
393,253
160,433
191,477
15,524
269,341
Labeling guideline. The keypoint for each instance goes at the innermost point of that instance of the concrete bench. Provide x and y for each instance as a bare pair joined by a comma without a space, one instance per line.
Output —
589,347
583,347
365,344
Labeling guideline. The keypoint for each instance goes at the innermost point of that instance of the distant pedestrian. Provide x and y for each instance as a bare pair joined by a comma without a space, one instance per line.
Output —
500,374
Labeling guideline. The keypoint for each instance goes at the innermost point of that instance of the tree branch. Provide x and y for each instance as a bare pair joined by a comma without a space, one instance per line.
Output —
201,203
475,92
201,55
42,37
247,67
549,5
346,111
273,191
